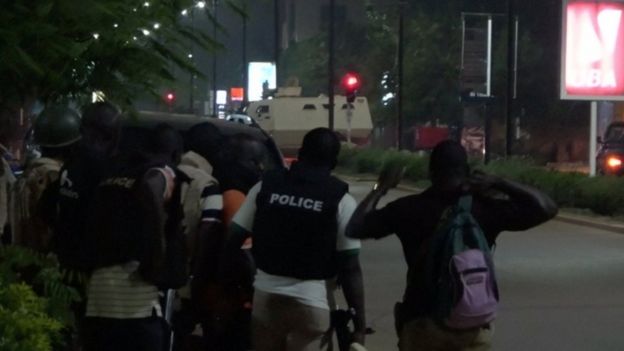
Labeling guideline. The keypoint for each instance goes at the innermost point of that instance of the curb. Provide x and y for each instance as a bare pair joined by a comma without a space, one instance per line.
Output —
614,227
590,222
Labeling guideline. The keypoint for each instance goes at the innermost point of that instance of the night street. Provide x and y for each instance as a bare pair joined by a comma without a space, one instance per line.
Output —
561,287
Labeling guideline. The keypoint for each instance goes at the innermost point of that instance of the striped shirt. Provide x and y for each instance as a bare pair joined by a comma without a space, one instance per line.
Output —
119,292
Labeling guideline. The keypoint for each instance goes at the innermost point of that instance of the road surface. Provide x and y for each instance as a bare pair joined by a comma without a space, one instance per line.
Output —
561,285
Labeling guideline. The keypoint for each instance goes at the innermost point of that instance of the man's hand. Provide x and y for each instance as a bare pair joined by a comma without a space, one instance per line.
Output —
480,182
389,178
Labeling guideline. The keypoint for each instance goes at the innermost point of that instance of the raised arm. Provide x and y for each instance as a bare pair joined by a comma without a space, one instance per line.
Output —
360,226
533,207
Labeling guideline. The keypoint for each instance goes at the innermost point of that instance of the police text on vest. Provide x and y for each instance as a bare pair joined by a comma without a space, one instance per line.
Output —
296,201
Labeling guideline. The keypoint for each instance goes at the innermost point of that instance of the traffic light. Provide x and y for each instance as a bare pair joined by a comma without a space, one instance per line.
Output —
351,84
169,99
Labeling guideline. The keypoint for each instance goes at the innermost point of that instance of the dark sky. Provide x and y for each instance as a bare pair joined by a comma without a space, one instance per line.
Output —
260,42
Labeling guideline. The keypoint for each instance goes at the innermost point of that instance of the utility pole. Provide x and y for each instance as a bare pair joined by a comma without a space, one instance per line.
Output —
276,33
192,58
245,57
331,64
215,3
511,76
400,77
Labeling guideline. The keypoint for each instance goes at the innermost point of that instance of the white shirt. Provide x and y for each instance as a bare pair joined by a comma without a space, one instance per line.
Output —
308,292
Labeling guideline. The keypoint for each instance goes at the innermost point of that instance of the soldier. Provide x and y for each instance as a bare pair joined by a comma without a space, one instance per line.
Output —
56,132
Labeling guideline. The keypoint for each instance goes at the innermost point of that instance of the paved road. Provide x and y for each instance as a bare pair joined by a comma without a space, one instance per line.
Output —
562,287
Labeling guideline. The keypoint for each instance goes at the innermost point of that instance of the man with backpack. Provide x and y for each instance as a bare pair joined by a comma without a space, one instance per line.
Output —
447,233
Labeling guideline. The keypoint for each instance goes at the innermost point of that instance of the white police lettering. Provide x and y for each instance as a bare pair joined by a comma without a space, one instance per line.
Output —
296,201
123,182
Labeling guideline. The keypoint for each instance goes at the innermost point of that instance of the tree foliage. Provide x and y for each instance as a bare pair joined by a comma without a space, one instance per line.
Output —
54,49
35,300
431,63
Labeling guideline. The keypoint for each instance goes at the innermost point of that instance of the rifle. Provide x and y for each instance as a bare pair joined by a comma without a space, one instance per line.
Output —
169,300
340,324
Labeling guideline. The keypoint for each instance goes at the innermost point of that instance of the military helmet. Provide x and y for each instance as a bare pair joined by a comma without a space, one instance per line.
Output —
57,126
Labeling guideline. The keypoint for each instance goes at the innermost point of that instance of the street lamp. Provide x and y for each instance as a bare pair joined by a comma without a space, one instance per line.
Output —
200,4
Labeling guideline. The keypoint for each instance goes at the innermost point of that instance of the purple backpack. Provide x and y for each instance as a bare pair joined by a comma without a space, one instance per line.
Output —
461,285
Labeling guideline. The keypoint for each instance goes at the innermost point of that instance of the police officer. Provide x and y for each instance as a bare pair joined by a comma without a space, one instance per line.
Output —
56,132
80,175
298,218
134,236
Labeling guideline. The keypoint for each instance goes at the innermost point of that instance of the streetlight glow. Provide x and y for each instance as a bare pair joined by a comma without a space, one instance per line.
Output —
96,36
146,4
156,25
184,12
115,25
190,56
145,32
200,4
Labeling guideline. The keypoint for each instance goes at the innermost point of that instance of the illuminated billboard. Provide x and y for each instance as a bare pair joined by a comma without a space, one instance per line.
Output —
261,75
237,94
221,97
592,59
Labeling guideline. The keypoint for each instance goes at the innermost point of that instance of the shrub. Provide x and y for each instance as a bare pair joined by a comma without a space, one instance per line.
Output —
35,300
24,322
602,195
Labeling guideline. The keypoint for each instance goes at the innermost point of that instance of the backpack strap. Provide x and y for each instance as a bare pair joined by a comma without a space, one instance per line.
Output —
465,203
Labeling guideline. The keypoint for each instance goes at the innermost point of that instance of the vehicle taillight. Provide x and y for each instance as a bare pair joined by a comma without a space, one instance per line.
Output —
614,162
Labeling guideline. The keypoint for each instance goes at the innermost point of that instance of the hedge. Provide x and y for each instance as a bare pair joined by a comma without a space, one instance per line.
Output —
603,195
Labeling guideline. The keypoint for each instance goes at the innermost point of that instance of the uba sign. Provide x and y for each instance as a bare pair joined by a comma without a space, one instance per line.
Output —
593,50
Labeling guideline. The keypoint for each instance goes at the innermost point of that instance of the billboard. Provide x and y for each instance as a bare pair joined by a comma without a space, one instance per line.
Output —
261,74
592,55
221,97
237,93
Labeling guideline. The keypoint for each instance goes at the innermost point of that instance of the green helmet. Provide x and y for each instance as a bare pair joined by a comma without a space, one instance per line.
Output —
57,126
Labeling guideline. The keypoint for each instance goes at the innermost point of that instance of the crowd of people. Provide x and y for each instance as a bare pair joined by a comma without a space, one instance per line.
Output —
188,239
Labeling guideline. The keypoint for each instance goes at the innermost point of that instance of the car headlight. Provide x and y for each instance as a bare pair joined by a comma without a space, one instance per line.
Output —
614,162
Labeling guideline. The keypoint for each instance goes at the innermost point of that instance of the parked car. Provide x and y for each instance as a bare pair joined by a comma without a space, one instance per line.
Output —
610,156
242,119
135,132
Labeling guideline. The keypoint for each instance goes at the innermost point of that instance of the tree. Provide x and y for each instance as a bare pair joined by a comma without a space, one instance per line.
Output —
431,64
55,50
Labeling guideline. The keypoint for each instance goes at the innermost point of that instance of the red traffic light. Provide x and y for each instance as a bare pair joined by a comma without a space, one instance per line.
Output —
170,97
351,82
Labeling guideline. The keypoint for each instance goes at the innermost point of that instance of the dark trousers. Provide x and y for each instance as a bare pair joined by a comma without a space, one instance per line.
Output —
230,334
108,334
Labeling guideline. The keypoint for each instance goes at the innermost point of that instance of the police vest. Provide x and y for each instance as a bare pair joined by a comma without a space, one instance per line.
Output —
78,180
120,210
295,224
